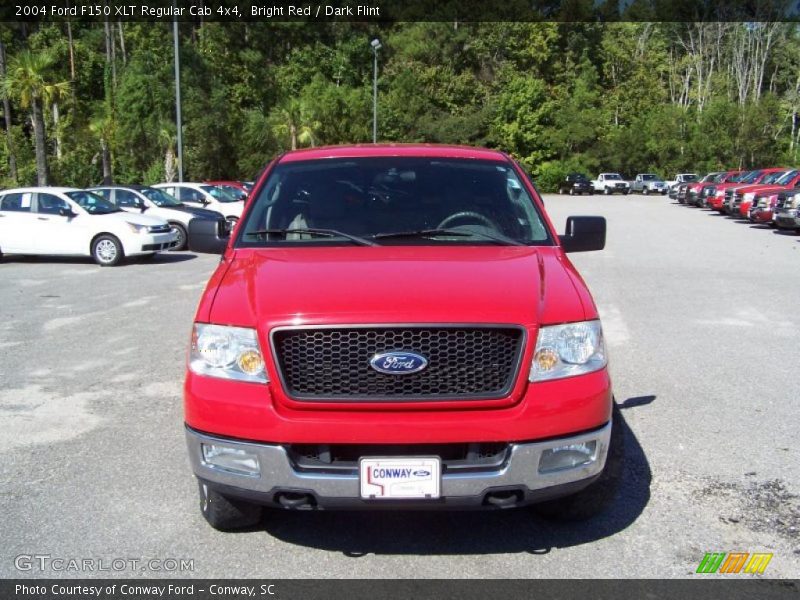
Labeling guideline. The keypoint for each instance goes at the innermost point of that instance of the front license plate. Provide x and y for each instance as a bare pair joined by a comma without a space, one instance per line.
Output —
400,478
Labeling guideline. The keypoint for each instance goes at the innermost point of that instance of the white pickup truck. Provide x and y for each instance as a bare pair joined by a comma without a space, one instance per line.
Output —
683,178
611,183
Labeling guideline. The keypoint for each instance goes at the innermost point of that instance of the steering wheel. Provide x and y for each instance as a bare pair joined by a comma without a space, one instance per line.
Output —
468,214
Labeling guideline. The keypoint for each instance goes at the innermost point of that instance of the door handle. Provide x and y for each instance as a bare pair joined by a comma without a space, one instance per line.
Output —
43,218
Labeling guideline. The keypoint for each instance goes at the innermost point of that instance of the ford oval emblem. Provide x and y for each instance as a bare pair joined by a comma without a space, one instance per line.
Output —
421,473
398,362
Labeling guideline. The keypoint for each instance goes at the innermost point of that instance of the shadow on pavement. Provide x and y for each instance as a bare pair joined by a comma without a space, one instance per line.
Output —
358,533
163,258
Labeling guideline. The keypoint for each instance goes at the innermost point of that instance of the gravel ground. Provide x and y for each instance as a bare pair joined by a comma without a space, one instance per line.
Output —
700,312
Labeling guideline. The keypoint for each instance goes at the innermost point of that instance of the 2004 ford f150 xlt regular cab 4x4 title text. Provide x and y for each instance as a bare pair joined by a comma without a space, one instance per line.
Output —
399,326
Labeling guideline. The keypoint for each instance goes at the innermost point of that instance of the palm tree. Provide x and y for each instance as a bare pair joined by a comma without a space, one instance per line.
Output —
168,137
102,126
293,117
27,80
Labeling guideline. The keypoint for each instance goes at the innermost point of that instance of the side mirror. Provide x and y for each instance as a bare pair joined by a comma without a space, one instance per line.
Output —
208,236
584,234
66,212
141,205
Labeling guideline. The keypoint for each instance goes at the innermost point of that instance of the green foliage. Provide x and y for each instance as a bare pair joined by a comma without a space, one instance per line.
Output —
560,97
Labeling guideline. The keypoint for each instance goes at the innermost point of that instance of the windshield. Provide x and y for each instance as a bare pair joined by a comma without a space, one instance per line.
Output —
772,177
92,203
397,201
649,177
218,193
787,177
248,186
688,176
613,176
159,197
233,191
751,177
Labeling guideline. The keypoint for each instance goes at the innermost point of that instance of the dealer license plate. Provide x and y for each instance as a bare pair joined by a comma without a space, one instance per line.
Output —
400,478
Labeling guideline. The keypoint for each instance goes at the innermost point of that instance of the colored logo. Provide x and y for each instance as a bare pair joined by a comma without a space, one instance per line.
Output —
421,473
398,363
734,562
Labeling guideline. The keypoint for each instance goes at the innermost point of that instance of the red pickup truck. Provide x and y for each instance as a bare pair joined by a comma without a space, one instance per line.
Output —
397,326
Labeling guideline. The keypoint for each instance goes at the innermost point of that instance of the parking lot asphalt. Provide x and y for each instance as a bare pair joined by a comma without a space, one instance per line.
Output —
701,318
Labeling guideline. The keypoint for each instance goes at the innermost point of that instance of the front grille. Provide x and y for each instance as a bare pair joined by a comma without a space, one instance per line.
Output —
334,363
165,228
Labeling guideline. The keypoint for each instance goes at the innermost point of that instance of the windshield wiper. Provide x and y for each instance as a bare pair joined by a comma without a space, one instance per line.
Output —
456,232
318,231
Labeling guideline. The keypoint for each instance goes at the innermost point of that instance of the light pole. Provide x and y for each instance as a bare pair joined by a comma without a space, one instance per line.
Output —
178,99
376,45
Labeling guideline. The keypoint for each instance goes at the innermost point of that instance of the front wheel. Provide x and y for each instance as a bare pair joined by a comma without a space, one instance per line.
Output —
645,191
107,250
224,513
182,239
607,191
598,496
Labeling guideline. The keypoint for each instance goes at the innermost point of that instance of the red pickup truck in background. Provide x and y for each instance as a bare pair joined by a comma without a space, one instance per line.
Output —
743,198
399,326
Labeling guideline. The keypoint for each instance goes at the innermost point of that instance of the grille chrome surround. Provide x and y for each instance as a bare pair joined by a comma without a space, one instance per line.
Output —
330,363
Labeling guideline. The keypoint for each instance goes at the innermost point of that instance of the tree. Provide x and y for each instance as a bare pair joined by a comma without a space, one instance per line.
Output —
28,80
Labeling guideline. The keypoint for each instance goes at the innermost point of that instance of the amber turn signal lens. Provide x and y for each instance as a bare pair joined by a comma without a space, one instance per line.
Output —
546,359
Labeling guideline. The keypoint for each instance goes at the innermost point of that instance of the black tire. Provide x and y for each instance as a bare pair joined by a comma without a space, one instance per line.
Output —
224,513
571,191
598,496
607,191
628,191
183,238
107,250
645,191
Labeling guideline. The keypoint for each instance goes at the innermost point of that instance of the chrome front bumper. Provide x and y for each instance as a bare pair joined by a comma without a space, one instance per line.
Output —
518,476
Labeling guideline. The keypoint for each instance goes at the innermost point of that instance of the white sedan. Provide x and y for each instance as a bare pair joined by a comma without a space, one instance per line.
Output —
205,195
73,222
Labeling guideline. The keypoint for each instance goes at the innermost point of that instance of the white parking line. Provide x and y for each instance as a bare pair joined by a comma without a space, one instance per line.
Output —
614,328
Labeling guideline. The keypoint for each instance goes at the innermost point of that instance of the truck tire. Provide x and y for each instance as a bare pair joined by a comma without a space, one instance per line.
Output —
571,191
645,190
224,513
598,496
607,191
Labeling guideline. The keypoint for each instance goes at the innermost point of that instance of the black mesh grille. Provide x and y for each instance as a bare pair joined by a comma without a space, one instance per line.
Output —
318,364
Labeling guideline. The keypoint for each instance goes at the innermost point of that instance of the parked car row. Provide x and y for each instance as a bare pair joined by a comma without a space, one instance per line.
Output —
613,183
109,223
769,195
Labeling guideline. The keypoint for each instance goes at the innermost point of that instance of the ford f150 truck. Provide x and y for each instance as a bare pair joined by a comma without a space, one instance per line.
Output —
397,326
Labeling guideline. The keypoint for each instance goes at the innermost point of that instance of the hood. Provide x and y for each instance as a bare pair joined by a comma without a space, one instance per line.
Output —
391,284
134,217
194,211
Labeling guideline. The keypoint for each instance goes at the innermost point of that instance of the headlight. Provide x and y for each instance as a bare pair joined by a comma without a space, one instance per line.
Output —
227,352
136,228
568,350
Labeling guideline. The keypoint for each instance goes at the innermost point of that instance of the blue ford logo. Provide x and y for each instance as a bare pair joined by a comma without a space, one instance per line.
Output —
421,473
398,363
